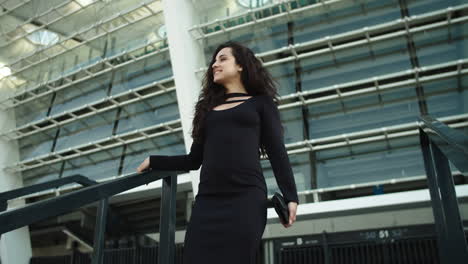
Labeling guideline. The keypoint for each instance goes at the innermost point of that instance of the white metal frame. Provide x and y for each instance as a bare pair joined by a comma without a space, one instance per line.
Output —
98,106
197,31
301,97
405,28
66,49
343,140
23,2
401,27
374,134
103,144
52,9
13,101
374,83
370,135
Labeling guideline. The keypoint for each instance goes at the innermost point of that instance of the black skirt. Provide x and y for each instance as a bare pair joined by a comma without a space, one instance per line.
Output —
226,227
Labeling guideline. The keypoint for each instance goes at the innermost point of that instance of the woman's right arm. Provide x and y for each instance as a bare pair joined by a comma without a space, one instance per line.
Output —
191,161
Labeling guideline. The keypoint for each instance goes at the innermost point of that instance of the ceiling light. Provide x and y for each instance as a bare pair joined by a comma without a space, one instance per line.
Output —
85,2
4,71
43,37
162,31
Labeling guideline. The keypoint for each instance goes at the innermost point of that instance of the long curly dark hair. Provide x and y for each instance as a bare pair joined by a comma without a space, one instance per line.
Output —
255,78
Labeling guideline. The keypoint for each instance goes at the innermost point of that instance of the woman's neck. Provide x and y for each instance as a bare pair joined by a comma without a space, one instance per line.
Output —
236,87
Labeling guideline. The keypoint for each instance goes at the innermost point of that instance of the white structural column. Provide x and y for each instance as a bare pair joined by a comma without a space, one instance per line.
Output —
186,57
15,246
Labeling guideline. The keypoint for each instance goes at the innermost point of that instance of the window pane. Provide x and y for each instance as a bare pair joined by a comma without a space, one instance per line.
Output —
370,162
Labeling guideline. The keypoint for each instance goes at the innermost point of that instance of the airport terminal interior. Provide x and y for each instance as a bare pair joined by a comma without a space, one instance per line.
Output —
93,87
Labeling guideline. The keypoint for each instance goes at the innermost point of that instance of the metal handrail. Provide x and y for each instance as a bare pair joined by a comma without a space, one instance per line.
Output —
16,193
453,143
31,213
439,144
116,222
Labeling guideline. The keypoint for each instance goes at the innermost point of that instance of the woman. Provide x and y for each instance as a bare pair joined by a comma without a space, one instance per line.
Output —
235,116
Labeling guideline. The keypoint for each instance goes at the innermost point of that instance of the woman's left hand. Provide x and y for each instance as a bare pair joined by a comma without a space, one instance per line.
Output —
292,214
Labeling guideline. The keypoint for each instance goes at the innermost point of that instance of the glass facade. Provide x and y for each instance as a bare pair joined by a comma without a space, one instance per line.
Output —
353,77
364,70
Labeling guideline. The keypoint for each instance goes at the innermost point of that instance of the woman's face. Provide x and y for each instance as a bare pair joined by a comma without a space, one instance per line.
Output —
225,69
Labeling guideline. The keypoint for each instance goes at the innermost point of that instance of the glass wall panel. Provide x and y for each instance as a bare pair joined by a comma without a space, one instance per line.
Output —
301,169
343,17
134,36
292,122
82,93
285,74
135,153
66,56
417,7
33,110
41,174
442,44
96,166
86,130
141,73
208,10
364,112
376,161
37,145
148,112
447,97
355,64
259,38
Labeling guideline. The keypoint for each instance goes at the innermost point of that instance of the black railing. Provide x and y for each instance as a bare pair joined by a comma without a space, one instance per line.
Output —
439,144
92,192
133,255
411,244
402,245
410,251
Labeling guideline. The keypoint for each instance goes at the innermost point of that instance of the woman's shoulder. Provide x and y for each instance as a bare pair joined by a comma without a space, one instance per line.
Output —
265,103
263,98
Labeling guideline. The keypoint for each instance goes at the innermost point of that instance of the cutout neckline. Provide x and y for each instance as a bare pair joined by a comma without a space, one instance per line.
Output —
245,100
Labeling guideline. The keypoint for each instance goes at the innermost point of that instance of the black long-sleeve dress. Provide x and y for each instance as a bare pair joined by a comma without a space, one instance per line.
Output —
229,215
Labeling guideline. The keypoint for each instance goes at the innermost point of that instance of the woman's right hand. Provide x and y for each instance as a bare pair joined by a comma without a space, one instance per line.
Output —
143,166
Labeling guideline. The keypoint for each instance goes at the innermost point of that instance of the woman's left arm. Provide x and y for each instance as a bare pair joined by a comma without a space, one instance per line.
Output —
273,140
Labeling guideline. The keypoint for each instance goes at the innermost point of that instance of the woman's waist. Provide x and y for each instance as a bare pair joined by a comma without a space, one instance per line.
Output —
232,169
213,190
225,155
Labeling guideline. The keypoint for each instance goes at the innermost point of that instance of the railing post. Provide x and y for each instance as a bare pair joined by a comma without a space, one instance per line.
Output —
167,220
449,227
326,251
100,231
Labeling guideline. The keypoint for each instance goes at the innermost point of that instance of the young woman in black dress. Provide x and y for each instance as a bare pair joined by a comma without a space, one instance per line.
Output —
236,120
